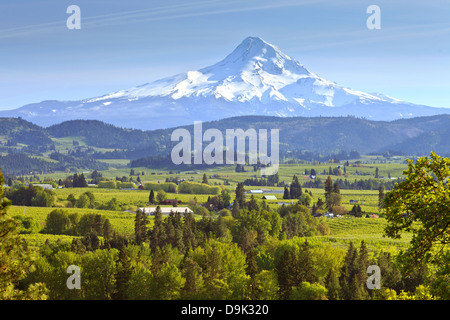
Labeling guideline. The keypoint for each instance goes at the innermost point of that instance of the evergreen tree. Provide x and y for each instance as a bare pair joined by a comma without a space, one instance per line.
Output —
189,232
286,194
235,210
138,227
336,188
107,230
328,192
332,285
205,179
151,197
295,188
252,204
194,284
157,235
240,195
347,272
392,277
361,275
123,274
252,271
353,274
320,203
284,270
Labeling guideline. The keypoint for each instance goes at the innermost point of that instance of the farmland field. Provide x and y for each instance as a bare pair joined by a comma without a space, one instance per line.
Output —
343,229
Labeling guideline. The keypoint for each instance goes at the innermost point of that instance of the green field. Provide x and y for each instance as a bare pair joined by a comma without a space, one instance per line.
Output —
343,230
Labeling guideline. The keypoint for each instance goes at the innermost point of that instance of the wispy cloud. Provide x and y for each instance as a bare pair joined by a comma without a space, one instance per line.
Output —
182,10
327,40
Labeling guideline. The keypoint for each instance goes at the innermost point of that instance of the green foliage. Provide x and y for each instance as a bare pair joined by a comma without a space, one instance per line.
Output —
197,188
31,196
308,291
109,184
27,225
166,186
15,259
420,204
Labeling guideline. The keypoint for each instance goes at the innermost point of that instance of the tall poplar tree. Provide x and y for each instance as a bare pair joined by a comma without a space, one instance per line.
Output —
240,195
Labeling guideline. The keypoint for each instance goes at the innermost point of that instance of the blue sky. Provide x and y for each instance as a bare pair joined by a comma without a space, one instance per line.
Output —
123,44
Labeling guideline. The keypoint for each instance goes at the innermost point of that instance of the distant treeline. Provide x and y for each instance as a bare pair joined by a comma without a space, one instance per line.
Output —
321,157
368,184
16,164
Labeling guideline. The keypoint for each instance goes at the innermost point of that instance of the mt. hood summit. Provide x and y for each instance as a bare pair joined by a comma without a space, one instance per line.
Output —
255,79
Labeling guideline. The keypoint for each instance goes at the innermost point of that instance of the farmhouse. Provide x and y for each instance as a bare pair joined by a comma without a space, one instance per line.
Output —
150,211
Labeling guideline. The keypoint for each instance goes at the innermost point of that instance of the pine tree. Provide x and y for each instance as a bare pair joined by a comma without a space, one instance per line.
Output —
295,188
205,179
151,197
332,285
157,235
240,195
347,272
189,232
286,194
336,188
123,274
137,227
194,283
361,275
305,265
107,230
353,273
252,204
284,272
328,192
235,211
252,271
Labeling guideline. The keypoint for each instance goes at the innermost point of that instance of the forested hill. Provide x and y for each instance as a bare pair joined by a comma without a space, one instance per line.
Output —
16,131
299,137
318,134
103,135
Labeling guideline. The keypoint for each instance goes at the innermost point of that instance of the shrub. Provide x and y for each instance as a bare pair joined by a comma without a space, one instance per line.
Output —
197,188
27,225
167,186
110,184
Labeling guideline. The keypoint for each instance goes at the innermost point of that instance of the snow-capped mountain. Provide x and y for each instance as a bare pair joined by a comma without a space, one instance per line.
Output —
257,78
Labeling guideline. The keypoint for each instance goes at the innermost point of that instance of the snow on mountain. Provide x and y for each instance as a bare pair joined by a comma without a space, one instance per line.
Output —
257,78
